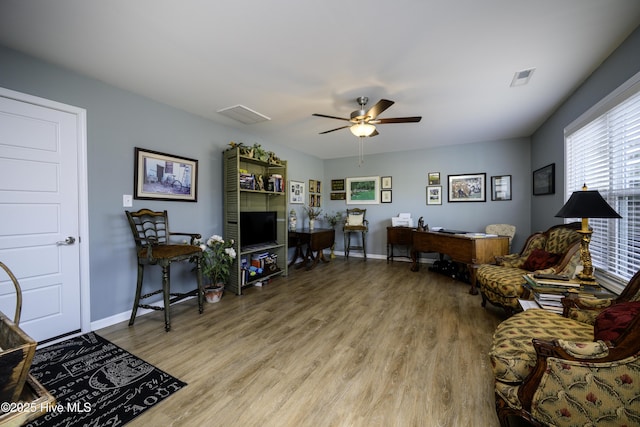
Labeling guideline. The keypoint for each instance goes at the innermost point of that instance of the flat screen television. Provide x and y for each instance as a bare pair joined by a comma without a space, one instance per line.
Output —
258,228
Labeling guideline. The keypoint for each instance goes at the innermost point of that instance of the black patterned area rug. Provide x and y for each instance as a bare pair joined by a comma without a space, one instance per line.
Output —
96,383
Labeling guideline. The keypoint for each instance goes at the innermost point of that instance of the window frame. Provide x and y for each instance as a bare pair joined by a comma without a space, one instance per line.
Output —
618,230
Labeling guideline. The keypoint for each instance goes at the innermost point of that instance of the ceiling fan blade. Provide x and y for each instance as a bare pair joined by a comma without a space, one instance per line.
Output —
374,133
382,105
396,120
329,117
332,130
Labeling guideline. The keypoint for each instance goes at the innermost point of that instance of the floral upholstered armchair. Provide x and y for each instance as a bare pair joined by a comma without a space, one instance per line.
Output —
554,371
556,250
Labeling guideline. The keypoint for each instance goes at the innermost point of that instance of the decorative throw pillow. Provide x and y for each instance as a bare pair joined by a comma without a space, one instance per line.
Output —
354,220
612,321
540,259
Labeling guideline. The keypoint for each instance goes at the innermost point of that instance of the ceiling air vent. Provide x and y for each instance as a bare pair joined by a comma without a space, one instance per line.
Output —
243,114
521,78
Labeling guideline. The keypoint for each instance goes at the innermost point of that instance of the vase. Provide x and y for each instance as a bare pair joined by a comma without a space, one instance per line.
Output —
312,224
214,294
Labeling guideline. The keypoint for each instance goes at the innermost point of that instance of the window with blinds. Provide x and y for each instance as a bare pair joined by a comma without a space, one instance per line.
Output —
603,152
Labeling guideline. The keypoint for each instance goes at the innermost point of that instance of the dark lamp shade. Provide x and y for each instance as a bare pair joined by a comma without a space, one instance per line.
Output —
587,204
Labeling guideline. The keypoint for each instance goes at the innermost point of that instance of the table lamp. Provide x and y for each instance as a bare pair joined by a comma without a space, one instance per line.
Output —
586,204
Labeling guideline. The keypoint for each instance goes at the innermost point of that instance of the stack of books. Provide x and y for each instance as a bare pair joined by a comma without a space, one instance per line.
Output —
548,289
247,180
276,183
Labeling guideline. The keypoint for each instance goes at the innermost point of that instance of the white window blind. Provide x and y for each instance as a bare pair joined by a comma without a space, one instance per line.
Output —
603,152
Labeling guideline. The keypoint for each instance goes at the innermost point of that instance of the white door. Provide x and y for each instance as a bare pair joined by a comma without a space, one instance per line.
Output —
40,216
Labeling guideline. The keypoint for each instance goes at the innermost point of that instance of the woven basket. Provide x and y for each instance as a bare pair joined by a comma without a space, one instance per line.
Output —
16,350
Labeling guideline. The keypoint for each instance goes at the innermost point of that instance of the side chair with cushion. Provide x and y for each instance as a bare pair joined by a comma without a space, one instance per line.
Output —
153,247
502,230
554,371
355,222
556,250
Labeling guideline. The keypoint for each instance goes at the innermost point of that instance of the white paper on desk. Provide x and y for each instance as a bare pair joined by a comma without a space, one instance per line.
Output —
404,215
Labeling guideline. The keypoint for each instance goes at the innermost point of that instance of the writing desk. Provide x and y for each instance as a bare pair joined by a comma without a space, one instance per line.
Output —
315,241
463,248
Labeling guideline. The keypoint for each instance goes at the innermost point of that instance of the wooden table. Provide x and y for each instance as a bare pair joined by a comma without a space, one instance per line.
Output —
399,236
315,241
462,248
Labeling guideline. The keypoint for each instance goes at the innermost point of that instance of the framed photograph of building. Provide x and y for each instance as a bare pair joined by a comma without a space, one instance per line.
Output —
160,176
467,188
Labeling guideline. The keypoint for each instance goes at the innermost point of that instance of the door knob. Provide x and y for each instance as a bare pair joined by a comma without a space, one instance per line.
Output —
68,241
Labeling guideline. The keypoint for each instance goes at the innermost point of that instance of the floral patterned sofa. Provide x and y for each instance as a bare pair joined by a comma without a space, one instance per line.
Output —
556,250
552,370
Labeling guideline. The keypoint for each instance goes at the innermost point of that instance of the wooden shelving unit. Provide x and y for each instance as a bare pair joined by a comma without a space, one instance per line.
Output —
238,199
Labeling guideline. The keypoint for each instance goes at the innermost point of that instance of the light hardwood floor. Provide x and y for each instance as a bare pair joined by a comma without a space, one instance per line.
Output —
350,343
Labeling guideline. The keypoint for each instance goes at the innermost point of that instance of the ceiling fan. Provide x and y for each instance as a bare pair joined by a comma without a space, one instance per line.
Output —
362,123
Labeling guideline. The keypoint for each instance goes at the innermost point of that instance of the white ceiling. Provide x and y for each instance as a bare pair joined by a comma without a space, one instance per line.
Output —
450,61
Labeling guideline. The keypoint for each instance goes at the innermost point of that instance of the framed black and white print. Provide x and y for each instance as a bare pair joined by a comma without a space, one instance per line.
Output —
385,196
501,187
544,180
160,176
296,192
385,183
467,188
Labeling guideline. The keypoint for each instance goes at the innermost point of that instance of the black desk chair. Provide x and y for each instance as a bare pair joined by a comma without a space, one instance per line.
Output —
355,223
151,234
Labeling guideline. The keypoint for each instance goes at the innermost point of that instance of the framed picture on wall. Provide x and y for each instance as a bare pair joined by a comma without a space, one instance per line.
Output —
467,188
434,194
337,185
160,176
501,187
385,197
363,190
434,178
544,180
385,183
296,192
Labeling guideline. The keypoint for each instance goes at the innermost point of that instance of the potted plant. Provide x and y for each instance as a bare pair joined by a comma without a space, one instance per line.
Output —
260,153
217,257
312,213
334,219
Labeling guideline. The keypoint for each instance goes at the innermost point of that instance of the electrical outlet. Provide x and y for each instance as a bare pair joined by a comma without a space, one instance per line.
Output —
127,200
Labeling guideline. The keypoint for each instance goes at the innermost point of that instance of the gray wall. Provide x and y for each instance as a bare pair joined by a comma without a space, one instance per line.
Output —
409,180
547,142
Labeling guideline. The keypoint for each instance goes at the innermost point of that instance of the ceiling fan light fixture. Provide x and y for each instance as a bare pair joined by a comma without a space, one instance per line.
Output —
362,129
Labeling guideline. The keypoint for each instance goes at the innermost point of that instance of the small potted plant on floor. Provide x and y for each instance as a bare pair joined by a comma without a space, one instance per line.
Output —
217,258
